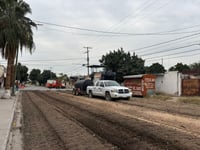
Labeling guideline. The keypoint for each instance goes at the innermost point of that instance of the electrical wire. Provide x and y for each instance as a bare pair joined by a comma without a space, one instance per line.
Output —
161,43
194,54
42,60
169,44
187,51
167,50
110,32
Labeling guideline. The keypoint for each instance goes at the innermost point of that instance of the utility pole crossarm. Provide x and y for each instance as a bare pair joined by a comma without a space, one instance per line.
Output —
88,59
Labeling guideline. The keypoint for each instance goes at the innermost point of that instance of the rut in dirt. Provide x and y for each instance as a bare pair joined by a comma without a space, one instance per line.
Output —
118,130
108,130
63,133
38,133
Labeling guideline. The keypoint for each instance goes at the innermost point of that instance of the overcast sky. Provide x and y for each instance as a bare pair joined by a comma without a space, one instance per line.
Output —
60,48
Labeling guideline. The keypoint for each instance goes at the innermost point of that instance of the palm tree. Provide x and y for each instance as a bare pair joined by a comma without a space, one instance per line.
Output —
15,34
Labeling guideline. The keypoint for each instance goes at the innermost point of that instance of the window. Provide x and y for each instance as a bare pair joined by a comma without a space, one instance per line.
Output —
101,84
111,83
97,84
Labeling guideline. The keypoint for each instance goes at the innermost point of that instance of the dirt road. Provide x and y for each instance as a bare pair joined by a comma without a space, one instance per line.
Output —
55,121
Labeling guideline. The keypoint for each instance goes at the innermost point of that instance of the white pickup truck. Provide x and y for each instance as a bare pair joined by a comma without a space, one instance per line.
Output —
108,89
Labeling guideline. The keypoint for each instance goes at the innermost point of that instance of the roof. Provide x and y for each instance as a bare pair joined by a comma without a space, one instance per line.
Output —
133,76
137,76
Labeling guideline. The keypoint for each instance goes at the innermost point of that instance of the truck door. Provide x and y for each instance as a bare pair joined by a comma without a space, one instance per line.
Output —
101,89
95,89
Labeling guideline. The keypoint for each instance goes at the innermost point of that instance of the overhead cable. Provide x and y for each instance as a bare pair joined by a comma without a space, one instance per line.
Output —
187,51
167,50
146,47
105,32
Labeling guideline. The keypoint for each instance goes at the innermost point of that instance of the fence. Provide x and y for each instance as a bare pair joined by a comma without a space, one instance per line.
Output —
191,87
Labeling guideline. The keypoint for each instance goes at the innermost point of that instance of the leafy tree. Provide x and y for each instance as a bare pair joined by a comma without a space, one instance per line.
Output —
63,77
35,75
22,73
195,66
122,63
179,67
155,68
46,75
15,33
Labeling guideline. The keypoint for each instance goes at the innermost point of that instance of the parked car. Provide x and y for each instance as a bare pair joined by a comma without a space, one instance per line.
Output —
109,89
54,84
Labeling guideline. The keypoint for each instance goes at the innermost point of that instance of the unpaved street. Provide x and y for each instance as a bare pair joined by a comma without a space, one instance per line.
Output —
54,120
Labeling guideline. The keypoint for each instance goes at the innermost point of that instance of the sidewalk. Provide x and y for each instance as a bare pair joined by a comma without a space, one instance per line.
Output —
7,108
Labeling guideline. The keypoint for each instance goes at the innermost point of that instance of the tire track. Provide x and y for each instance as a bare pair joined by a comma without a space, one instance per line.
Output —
149,138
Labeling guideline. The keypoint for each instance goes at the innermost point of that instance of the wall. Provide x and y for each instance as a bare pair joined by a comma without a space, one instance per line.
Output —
169,83
191,87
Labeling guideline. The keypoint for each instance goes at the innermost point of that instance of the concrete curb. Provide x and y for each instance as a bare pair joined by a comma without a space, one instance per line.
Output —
15,138
15,99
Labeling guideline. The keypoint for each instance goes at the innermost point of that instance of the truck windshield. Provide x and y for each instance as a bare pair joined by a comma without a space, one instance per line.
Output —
111,83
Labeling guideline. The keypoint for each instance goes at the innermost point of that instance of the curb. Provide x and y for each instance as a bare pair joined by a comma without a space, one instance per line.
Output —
15,99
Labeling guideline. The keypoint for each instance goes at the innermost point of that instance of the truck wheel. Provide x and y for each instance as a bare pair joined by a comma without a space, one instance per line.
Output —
107,96
90,95
74,92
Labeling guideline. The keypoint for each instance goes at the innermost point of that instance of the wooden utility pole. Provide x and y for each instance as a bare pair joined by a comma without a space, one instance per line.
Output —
88,59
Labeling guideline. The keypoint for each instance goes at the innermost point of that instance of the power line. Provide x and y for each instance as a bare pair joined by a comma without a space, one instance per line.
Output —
185,56
168,44
144,5
167,50
146,47
148,7
195,54
108,32
42,60
123,34
179,29
187,51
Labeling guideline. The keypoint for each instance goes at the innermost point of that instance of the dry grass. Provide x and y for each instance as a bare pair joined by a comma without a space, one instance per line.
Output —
186,100
161,97
190,100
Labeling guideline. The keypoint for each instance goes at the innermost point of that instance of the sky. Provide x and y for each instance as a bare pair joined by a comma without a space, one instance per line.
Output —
158,31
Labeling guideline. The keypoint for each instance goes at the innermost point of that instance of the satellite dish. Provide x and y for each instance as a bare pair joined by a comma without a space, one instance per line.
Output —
2,70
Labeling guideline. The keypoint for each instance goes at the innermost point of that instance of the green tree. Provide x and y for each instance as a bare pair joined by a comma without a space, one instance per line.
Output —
46,75
63,77
22,73
179,67
35,75
195,66
155,68
122,63
15,34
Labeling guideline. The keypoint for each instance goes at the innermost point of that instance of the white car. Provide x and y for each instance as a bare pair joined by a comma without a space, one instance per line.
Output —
109,89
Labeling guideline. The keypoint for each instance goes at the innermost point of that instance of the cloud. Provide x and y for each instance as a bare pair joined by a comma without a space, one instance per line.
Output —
130,16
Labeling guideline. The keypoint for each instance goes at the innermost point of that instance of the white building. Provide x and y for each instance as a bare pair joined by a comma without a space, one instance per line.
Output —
169,83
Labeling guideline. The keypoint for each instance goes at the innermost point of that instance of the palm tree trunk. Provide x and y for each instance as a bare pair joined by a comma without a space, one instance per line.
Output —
10,64
12,80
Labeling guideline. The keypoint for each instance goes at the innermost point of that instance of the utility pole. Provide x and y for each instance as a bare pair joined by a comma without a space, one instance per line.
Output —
50,72
88,59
